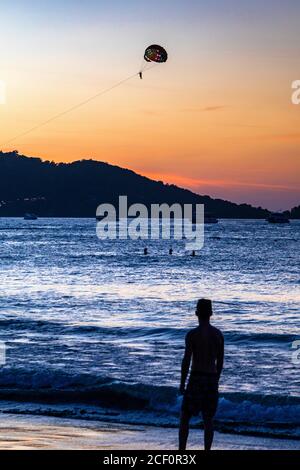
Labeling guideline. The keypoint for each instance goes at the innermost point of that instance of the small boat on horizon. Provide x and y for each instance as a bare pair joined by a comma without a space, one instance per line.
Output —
29,216
278,218
210,219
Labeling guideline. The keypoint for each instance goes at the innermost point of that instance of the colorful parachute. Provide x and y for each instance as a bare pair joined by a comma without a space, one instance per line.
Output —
155,53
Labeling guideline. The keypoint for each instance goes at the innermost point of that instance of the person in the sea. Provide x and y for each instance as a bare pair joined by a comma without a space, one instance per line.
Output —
204,346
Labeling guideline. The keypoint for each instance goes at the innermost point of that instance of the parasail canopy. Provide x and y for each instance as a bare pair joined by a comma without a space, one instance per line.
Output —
156,53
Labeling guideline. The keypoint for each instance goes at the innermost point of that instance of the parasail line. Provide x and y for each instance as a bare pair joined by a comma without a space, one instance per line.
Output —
72,108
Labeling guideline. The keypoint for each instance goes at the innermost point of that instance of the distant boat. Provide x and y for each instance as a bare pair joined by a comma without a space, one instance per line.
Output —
99,218
210,219
278,218
30,217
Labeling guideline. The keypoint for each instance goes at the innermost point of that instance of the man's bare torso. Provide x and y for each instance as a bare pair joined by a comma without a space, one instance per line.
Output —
206,343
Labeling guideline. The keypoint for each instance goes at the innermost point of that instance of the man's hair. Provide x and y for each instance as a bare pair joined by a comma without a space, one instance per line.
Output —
204,309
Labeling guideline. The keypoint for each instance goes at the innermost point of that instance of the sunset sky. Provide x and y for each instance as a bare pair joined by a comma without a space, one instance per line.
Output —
216,118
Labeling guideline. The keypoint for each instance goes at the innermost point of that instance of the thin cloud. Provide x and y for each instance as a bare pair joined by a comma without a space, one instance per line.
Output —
205,109
150,112
215,108
196,183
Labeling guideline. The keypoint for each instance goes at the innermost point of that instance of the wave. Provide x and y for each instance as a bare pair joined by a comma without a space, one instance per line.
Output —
91,397
48,327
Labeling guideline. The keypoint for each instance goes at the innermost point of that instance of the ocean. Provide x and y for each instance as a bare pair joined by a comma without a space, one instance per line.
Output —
94,330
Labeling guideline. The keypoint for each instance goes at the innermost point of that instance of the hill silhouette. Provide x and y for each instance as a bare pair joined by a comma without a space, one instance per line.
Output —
76,189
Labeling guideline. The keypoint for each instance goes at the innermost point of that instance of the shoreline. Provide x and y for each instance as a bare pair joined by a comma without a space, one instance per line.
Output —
27,432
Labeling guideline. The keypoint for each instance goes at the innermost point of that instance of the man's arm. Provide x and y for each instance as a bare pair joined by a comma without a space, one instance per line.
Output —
185,365
220,358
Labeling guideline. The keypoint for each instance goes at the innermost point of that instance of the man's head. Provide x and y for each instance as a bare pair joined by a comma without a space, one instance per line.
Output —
204,309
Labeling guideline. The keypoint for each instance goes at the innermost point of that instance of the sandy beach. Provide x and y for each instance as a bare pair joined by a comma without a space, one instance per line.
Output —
29,433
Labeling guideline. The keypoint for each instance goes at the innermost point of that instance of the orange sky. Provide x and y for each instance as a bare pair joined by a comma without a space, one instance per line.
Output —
217,117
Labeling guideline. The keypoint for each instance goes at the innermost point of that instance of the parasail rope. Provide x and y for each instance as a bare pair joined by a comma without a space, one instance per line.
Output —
69,110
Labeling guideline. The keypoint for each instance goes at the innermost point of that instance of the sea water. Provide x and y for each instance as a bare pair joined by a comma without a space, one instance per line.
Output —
95,330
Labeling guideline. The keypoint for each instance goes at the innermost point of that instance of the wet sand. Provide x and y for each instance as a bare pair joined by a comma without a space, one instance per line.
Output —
30,432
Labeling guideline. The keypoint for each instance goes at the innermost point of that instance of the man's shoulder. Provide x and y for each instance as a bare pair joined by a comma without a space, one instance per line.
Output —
217,332
191,333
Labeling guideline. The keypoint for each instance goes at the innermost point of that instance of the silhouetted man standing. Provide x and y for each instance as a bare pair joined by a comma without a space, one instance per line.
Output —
205,346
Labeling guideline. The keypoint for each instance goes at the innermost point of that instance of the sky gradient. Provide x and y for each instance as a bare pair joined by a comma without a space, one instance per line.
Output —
216,118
